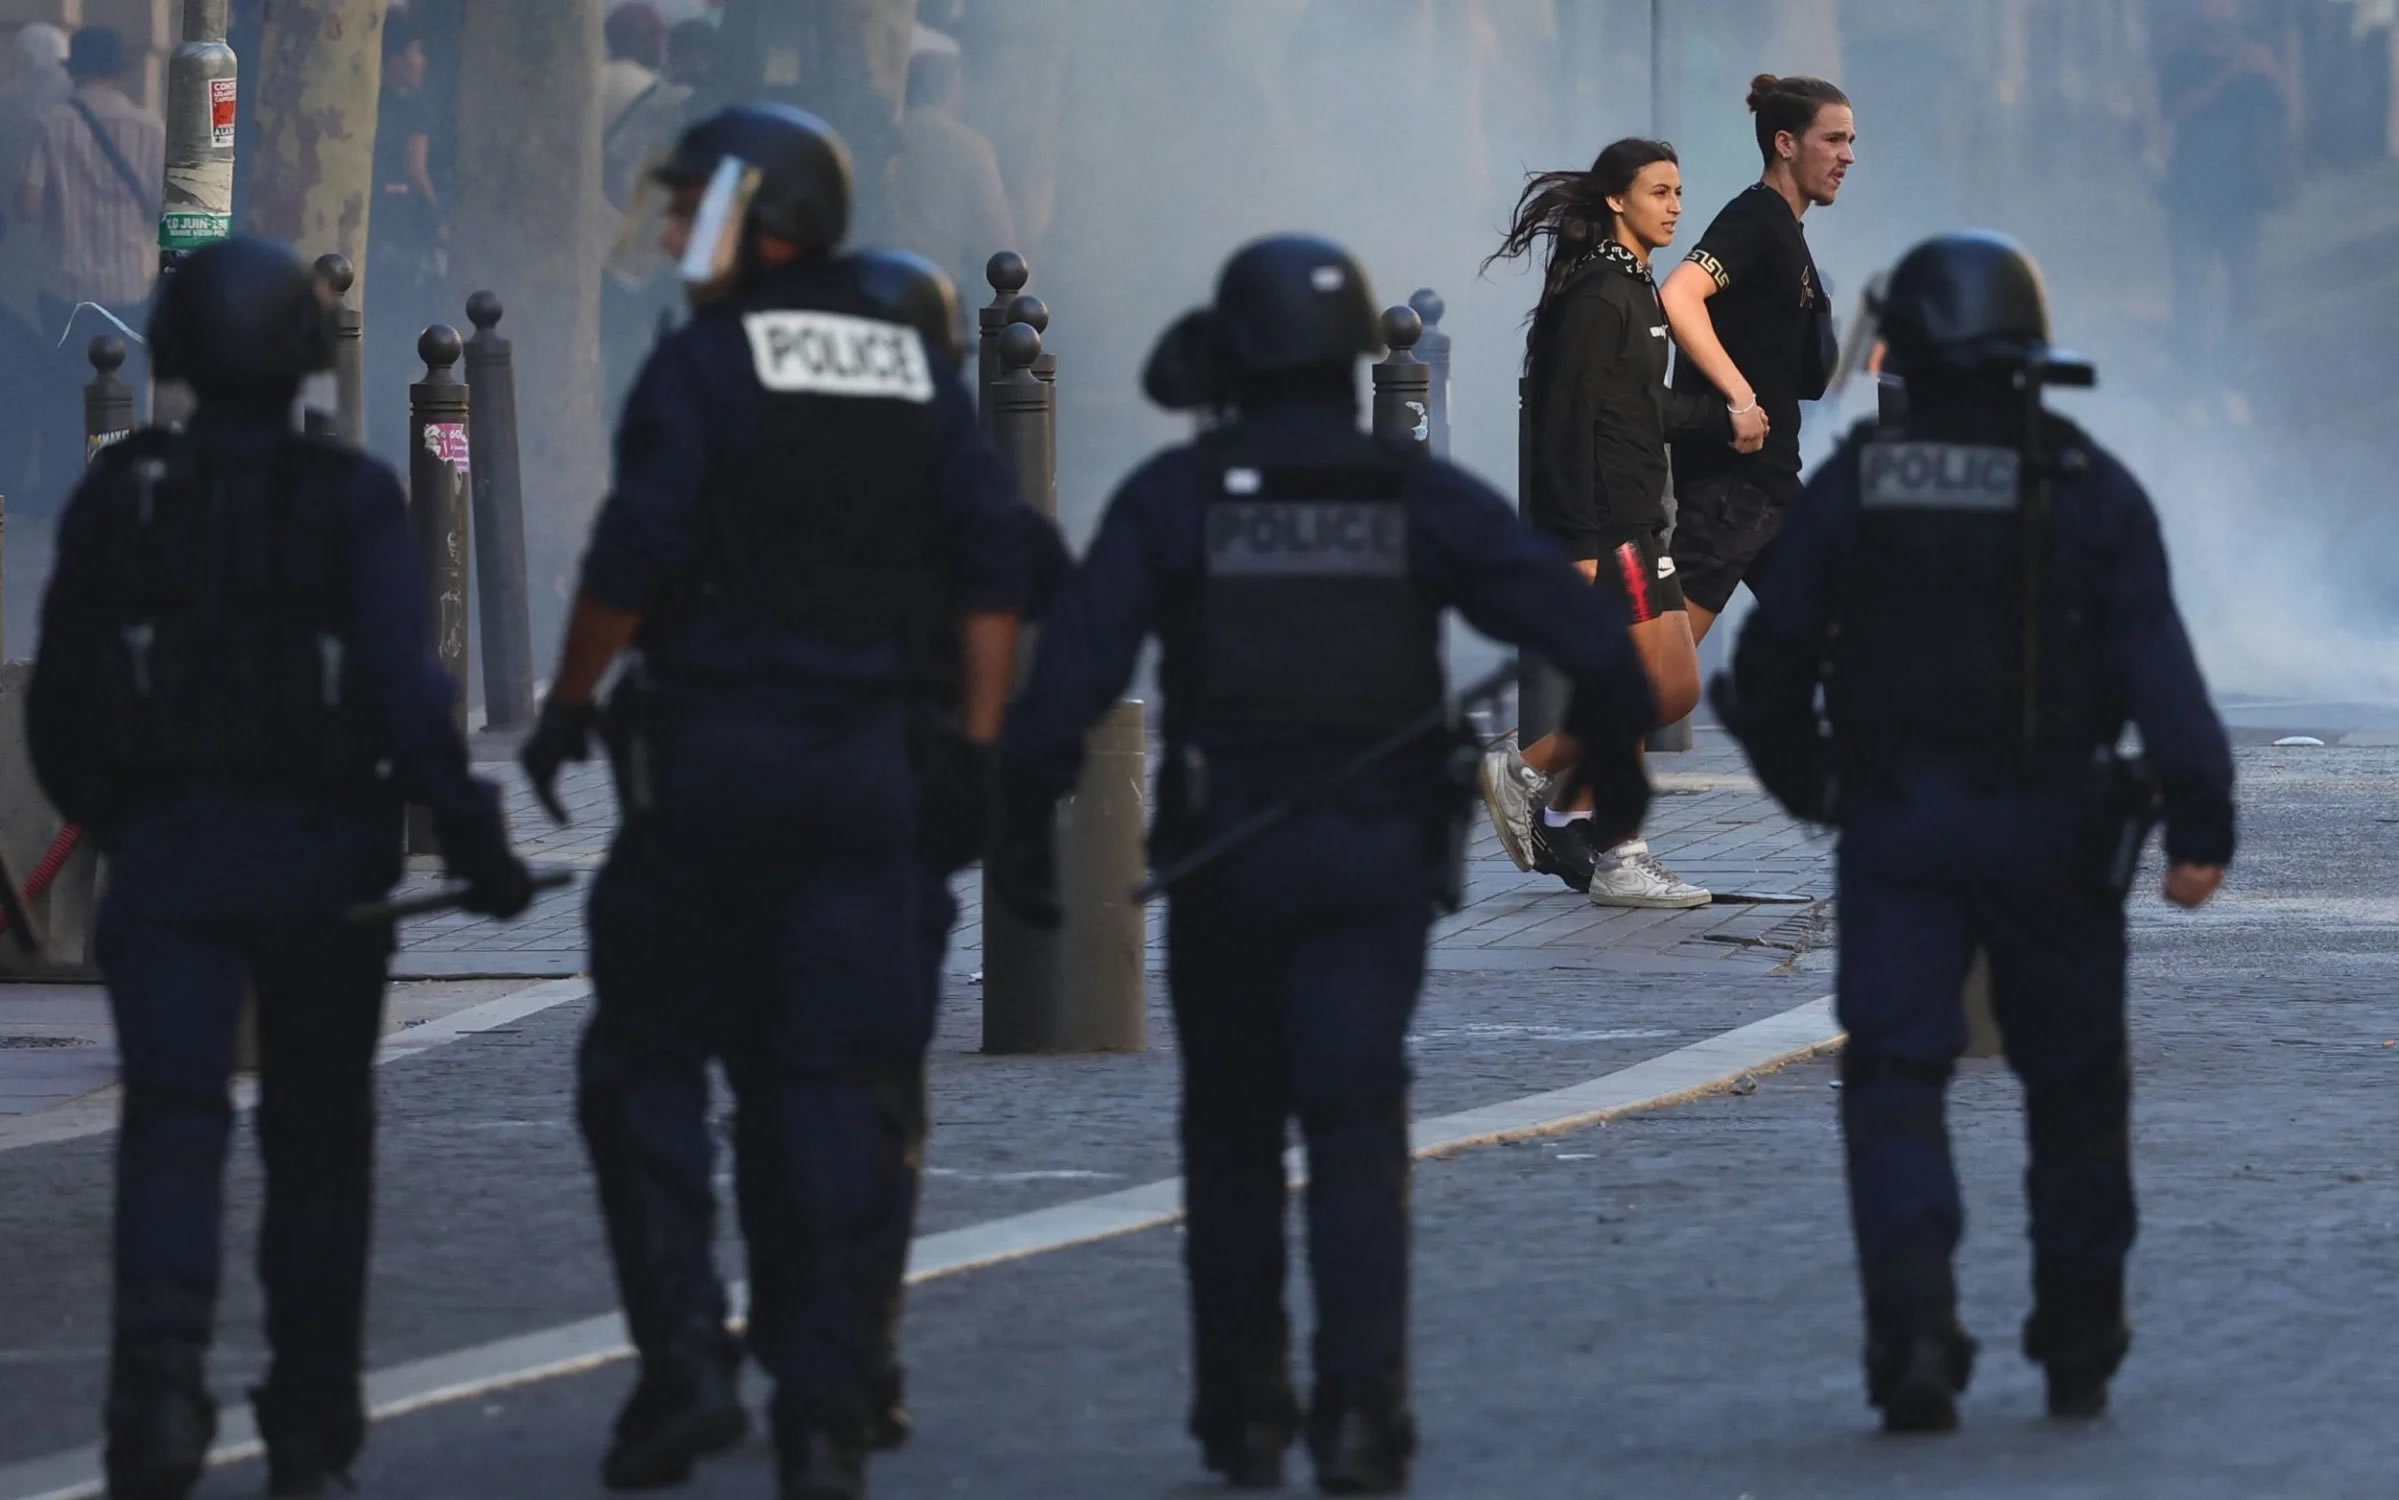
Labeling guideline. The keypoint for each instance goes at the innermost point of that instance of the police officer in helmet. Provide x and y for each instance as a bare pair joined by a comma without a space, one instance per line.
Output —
1981,593
235,695
806,530
1294,569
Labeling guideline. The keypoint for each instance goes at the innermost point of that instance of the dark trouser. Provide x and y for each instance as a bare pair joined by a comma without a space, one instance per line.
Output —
207,898
782,935
1927,876
1295,968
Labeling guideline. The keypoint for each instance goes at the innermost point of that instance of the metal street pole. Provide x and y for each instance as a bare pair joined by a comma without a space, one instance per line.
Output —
195,207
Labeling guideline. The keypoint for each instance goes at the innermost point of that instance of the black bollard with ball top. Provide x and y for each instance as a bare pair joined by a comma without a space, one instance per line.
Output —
437,507
497,501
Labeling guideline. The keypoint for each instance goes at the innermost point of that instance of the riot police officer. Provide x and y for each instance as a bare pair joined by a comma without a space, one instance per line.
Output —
1294,569
233,647
1981,592
803,504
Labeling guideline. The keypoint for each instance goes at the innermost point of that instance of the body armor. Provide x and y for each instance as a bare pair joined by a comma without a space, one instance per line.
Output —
219,644
1309,615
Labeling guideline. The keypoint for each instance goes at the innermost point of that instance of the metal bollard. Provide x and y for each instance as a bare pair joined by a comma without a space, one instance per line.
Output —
497,486
1035,314
1433,349
1007,273
1402,382
107,400
437,503
349,344
1083,987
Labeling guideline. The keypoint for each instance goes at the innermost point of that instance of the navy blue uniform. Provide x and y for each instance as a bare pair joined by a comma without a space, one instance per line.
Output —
1295,964
232,875
1949,844
769,907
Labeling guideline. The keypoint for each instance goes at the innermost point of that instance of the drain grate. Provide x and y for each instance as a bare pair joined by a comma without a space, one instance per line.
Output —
41,1043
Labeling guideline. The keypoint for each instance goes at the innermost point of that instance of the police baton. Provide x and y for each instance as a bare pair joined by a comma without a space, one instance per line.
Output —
448,898
1488,690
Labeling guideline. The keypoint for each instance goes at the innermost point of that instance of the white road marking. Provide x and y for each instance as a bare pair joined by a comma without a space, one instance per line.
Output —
1706,1067
96,1112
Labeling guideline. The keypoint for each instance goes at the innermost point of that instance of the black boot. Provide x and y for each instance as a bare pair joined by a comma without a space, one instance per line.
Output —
892,1424
686,1406
311,1438
817,1460
2078,1335
1361,1434
1915,1378
1243,1434
160,1419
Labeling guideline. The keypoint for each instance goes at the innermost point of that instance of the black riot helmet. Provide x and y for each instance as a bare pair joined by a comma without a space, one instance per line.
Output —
1292,302
1966,302
243,316
802,187
920,294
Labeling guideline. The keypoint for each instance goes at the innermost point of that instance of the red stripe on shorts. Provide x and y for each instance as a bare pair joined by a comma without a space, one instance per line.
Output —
1636,582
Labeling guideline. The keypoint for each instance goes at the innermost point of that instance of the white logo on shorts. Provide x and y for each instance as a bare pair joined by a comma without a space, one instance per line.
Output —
1665,567
831,354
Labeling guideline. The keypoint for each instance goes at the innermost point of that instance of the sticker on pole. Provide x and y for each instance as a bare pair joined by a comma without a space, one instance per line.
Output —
447,442
220,114
179,230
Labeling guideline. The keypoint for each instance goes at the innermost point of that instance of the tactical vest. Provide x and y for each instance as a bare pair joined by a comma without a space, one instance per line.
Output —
830,532
218,645
1309,616
1931,643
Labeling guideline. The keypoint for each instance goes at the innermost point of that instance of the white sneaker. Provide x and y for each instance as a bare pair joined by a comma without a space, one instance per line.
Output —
1513,793
1629,875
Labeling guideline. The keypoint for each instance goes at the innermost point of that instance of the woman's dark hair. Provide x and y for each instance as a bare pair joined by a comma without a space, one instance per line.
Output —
1570,210
1788,104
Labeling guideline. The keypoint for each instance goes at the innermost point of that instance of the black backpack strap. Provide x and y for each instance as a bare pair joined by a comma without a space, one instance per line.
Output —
116,159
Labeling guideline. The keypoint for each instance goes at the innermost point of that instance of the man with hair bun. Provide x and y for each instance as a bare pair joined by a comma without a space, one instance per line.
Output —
1764,346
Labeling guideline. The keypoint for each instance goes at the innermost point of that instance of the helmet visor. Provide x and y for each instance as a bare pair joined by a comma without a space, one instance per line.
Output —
712,253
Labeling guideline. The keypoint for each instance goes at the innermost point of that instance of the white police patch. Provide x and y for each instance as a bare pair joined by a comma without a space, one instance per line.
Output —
1308,539
832,354
1939,476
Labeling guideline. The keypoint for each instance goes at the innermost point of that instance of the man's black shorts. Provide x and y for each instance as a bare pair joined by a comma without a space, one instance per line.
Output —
1643,576
1724,531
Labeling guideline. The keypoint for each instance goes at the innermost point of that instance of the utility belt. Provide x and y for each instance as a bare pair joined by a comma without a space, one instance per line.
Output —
632,726
2117,794
1200,793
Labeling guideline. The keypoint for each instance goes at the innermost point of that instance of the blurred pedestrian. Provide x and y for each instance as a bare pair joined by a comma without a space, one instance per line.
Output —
641,108
1755,327
90,188
407,236
2229,162
243,762
39,83
1602,415
948,203
691,58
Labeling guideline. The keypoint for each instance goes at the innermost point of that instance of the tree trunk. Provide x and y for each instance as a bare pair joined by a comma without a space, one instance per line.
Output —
319,79
532,225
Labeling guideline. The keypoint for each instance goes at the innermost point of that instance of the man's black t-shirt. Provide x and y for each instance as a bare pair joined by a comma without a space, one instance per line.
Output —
1766,309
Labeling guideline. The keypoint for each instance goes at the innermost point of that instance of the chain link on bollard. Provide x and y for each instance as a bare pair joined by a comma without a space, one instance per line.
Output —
107,400
1007,273
1402,382
349,348
497,488
1433,349
437,506
1081,988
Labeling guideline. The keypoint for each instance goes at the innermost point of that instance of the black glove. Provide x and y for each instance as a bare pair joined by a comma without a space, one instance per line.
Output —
958,815
1023,867
476,850
1793,761
561,734
1613,774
